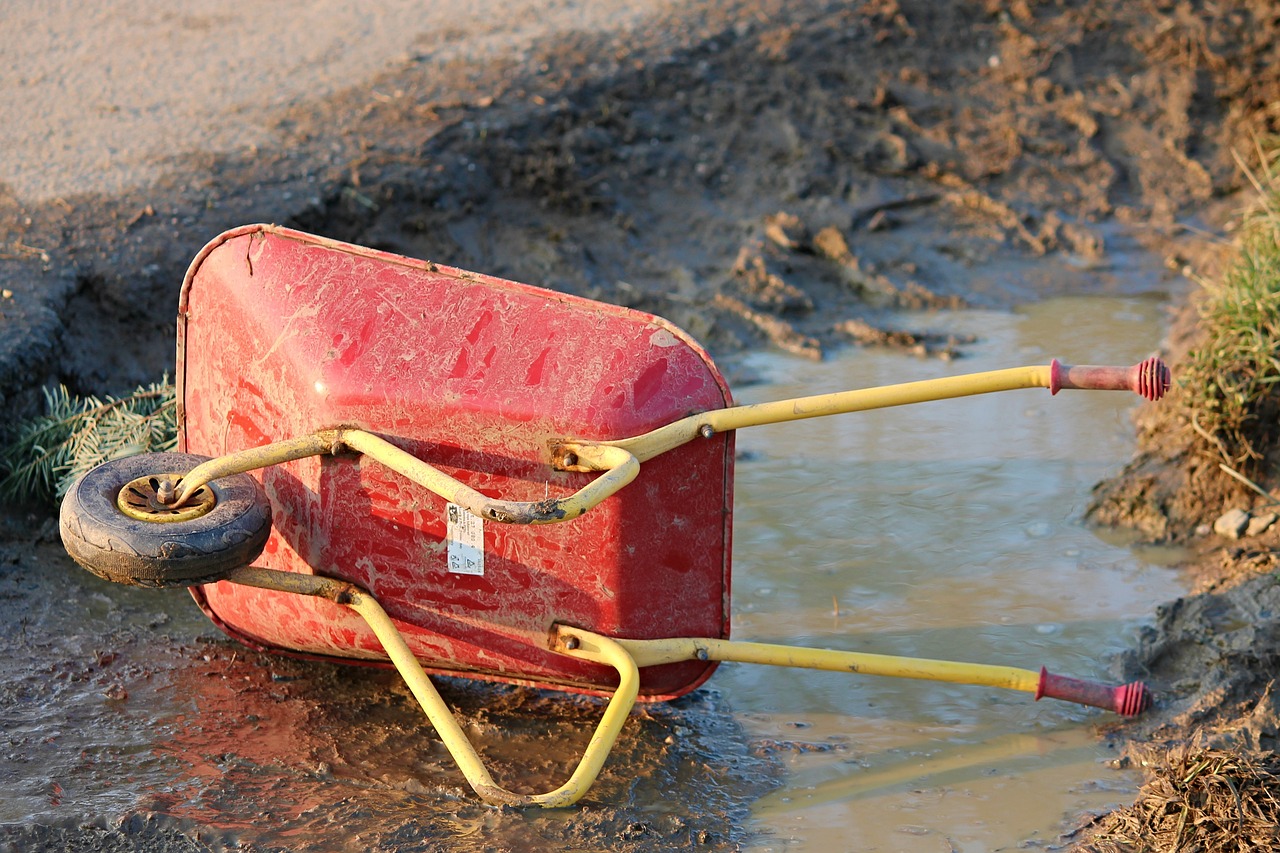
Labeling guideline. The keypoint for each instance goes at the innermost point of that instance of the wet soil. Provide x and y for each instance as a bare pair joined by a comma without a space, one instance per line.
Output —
146,729
759,172
763,174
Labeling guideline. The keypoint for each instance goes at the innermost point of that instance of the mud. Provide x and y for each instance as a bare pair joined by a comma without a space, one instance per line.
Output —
166,736
756,172
763,174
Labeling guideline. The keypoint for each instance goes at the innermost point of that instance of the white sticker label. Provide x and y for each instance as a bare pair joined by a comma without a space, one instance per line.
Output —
465,534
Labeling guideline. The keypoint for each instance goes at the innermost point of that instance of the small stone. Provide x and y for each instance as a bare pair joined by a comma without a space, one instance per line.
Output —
830,243
1231,524
6,294
1260,524
787,230
1038,529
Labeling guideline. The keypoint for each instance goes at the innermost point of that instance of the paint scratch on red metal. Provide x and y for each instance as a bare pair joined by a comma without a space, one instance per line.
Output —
283,333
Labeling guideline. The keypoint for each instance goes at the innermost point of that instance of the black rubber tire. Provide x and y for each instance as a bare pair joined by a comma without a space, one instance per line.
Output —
126,550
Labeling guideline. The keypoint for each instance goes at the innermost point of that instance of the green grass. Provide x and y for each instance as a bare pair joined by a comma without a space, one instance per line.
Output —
1231,379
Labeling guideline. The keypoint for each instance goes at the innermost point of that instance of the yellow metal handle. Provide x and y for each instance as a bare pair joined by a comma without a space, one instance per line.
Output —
620,459
1149,379
654,652
659,441
625,656
1128,700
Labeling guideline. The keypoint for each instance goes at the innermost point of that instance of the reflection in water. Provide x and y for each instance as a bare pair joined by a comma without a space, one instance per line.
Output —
952,530
315,758
895,771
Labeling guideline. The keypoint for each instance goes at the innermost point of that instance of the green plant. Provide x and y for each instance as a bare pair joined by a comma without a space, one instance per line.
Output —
1230,380
42,457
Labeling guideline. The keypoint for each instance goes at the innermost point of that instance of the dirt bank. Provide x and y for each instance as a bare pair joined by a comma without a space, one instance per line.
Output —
1213,654
760,172
763,174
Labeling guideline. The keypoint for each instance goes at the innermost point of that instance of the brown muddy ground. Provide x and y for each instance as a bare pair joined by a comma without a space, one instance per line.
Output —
763,174
759,173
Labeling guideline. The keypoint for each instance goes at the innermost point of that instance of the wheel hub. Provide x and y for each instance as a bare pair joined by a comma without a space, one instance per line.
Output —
140,499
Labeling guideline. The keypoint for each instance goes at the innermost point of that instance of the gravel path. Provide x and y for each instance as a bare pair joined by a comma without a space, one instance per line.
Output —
101,97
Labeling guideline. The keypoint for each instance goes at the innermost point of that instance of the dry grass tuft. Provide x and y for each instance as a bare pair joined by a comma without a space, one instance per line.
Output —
1198,800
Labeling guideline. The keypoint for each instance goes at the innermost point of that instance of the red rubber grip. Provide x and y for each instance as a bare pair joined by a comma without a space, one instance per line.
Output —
1127,700
1150,378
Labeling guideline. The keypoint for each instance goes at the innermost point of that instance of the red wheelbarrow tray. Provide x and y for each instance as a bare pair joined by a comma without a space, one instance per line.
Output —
282,333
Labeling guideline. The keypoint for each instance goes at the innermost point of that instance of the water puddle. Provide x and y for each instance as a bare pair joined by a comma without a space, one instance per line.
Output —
947,530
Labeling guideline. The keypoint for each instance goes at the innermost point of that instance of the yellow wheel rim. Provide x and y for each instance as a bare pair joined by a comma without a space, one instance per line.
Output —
139,499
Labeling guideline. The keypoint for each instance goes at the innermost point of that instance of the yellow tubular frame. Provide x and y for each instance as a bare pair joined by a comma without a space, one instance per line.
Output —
625,656
569,641
620,461
620,467
255,457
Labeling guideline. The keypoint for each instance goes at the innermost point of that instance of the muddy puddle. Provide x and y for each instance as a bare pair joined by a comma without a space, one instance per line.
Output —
948,530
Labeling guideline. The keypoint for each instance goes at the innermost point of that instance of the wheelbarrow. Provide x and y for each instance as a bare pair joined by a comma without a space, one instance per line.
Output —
394,462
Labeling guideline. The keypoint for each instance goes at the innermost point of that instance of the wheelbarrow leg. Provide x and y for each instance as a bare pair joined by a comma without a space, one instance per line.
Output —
580,644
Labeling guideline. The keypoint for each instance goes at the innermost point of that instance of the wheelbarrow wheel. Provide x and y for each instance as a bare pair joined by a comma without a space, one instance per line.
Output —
112,524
